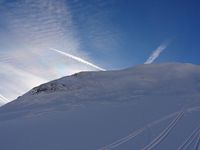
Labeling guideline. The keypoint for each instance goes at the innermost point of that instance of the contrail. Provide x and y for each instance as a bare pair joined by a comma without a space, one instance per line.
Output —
4,99
78,59
156,53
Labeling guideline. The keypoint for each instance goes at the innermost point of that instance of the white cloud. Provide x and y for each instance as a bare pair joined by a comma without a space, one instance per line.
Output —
42,23
156,53
16,81
3,99
78,59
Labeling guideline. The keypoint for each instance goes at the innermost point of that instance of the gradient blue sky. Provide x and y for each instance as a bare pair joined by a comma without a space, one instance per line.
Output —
112,34
141,26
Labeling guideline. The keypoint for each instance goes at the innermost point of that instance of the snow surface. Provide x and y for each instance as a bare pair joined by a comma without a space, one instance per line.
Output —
142,108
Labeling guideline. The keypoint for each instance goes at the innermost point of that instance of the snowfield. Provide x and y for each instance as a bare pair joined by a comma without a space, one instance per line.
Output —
147,107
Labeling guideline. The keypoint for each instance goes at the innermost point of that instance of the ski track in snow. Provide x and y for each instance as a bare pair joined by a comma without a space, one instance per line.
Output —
164,133
123,140
161,136
197,146
189,139
137,132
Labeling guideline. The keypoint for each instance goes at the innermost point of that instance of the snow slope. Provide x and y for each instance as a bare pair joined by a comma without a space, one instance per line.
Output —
142,108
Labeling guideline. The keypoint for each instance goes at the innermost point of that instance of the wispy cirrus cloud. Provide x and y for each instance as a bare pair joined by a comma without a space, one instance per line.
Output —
78,59
100,32
156,53
41,23
16,81
3,99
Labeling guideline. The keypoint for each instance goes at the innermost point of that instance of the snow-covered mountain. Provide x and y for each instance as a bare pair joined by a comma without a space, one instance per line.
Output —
145,107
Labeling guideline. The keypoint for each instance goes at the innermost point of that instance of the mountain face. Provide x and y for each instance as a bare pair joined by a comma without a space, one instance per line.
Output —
146,107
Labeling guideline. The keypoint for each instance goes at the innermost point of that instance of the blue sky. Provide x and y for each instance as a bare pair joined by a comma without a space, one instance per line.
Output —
139,26
112,34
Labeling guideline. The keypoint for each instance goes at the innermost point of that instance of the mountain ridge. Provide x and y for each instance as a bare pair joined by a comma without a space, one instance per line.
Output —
142,80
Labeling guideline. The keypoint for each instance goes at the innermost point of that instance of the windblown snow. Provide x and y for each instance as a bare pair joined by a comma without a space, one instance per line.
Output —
148,107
